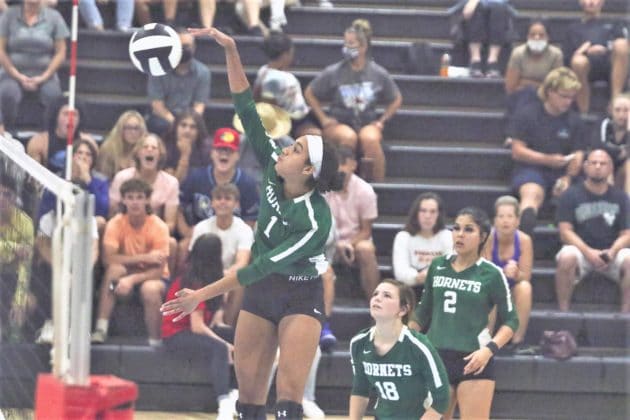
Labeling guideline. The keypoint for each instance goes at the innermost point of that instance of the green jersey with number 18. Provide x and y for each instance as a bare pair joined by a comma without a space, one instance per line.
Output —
408,379
455,305
290,233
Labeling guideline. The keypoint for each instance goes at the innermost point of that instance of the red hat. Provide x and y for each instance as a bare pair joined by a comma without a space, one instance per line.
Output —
226,138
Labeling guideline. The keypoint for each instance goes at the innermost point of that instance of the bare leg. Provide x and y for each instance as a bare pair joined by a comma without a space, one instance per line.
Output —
151,292
493,53
233,305
565,279
474,50
207,10
522,292
255,347
106,299
342,134
365,254
370,138
475,398
170,10
582,67
299,338
619,66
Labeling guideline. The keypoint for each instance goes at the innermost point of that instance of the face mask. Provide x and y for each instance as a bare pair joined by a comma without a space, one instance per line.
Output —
187,54
537,45
350,53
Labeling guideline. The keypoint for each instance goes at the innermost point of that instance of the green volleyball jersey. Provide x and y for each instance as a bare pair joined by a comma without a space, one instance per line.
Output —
290,233
408,379
455,305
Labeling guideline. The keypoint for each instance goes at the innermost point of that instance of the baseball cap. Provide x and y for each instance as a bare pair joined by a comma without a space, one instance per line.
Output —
226,137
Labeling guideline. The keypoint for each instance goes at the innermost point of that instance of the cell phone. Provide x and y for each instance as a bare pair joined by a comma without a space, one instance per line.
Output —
604,256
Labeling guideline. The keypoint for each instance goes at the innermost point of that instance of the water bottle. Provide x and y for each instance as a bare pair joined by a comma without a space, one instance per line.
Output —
445,62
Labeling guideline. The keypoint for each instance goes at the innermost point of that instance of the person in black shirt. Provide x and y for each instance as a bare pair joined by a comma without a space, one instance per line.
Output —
594,226
596,50
614,136
548,139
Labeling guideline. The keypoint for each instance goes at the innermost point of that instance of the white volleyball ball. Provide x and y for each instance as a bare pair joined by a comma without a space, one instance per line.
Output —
155,49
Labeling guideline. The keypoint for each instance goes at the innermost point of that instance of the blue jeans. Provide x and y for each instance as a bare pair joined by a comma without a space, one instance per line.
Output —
92,16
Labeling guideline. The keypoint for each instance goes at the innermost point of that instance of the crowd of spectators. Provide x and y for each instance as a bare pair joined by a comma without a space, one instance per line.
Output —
169,193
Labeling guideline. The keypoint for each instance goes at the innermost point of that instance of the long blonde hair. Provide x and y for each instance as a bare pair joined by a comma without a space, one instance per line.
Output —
114,144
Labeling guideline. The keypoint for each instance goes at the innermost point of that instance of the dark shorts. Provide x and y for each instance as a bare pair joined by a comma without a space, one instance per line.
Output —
454,363
276,297
542,176
600,67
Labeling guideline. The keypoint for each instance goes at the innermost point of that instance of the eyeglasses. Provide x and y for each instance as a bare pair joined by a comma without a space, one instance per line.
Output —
132,127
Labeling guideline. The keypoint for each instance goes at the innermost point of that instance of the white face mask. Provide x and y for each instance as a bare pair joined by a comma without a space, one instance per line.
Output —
537,45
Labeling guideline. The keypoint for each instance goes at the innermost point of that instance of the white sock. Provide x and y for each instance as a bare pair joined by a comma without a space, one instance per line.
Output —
277,11
102,324
154,342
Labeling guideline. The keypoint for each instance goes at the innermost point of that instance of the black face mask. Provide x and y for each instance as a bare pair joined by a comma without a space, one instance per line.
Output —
187,54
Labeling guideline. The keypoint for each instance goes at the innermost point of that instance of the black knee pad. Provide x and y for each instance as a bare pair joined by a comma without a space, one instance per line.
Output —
288,410
250,411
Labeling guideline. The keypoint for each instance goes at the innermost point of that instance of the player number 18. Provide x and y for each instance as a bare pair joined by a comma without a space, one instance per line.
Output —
387,390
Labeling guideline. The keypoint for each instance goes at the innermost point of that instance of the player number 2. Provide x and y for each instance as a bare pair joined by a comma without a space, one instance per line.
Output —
387,390
272,222
450,299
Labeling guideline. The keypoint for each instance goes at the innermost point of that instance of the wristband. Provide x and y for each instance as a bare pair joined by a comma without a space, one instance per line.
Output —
493,347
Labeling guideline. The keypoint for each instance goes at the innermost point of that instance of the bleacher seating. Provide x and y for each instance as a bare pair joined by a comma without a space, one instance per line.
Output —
447,138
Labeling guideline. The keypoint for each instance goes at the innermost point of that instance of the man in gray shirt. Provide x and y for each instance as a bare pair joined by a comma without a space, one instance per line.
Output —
188,86
32,47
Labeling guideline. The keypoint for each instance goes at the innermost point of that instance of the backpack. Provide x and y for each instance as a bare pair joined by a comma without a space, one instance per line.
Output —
420,59
560,345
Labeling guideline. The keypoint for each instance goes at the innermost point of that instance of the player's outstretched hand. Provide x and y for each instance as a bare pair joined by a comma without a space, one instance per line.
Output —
183,304
221,38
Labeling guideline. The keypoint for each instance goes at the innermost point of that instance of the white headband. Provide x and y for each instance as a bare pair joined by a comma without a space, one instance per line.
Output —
315,153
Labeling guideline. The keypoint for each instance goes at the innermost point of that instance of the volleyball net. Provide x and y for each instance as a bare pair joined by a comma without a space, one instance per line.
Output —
46,234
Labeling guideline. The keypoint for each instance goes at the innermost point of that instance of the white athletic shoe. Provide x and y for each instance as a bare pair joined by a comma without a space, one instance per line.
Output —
325,4
312,410
227,407
45,333
234,398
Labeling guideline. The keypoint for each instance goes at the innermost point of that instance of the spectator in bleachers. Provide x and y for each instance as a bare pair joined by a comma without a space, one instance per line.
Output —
596,50
206,10
423,238
197,188
277,123
187,144
236,237
93,19
276,85
49,147
16,251
193,338
135,254
354,209
485,22
84,156
41,279
614,136
188,86
32,47
513,251
533,60
594,227
354,86
547,146
116,152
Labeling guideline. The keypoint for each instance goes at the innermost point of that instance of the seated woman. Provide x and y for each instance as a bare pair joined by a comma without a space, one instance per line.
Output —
423,238
533,60
115,153
485,22
187,144
614,136
512,250
195,335
276,85
354,86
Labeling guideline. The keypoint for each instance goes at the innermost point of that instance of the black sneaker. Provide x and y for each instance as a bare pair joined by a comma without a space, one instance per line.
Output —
492,71
475,70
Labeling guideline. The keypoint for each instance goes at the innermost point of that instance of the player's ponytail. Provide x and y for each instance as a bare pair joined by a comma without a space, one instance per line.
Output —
329,178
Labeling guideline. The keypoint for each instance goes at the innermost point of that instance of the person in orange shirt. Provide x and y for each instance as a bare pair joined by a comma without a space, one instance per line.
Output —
135,252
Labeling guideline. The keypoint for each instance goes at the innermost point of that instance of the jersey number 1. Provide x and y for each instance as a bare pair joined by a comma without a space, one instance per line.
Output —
272,222
387,390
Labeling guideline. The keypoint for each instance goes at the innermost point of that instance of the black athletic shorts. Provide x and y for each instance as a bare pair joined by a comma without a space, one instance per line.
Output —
600,67
454,363
277,296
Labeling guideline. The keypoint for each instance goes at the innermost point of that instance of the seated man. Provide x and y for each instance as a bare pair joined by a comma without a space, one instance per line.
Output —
236,240
135,253
594,227
16,249
198,185
354,209
596,50
188,86
547,143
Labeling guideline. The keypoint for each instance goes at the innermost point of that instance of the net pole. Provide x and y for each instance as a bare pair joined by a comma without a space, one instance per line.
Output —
72,85
81,293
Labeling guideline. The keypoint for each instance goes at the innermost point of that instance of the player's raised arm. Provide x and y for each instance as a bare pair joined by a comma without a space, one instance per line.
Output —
236,74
